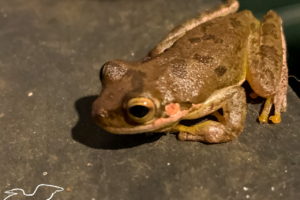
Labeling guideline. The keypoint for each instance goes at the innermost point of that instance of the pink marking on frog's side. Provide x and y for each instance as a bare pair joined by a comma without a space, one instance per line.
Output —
161,122
172,109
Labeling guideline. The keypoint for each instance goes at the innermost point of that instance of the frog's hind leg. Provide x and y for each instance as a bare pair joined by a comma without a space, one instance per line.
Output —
230,6
267,71
229,126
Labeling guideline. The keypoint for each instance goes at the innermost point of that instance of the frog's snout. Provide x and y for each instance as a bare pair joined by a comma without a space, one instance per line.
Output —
98,113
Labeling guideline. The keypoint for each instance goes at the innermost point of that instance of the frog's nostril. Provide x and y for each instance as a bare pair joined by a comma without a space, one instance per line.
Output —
100,114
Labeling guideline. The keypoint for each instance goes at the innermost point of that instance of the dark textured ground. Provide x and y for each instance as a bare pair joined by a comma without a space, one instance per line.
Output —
50,55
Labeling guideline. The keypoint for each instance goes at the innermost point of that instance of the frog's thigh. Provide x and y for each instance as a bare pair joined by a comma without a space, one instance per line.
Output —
234,110
230,6
267,71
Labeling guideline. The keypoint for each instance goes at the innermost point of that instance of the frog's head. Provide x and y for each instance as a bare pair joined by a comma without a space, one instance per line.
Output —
128,105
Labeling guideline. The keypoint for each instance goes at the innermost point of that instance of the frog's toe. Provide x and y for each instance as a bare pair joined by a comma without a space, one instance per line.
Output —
183,136
276,119
263,118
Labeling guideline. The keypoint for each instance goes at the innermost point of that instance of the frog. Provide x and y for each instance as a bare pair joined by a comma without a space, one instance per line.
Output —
199,70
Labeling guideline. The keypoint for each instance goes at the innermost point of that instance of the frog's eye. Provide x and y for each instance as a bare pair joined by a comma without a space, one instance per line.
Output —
113,70
140,110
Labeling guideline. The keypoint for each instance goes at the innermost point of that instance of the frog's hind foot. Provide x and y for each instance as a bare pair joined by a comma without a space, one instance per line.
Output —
279,102
264,117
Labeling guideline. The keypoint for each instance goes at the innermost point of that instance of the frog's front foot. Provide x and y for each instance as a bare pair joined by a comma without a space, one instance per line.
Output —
228,126
208,132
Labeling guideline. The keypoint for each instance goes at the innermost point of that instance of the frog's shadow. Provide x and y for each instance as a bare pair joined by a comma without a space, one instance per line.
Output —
89,134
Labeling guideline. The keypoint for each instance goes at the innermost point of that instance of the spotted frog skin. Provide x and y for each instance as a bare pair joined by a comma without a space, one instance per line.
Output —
196,71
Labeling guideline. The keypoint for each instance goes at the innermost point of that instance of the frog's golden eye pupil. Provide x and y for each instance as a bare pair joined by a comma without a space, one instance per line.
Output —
139,111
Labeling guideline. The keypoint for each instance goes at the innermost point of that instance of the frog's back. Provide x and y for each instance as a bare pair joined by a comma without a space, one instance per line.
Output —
211,56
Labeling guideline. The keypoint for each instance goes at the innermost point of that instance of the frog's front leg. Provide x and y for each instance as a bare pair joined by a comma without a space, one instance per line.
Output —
267,72
233,103
230,6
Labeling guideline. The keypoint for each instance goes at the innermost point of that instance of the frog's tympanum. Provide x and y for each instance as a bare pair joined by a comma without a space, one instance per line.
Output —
196,71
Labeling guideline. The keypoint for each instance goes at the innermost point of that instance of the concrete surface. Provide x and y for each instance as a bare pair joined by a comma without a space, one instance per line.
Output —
50,55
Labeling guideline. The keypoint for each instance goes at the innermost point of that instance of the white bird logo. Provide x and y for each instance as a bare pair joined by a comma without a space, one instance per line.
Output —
20,193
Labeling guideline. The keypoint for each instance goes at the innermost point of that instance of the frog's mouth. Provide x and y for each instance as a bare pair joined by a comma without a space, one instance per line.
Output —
155,126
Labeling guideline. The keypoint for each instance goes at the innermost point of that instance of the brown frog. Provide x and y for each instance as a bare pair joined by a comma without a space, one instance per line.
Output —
198,70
